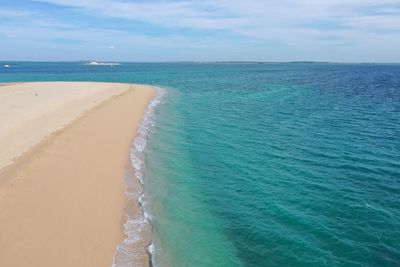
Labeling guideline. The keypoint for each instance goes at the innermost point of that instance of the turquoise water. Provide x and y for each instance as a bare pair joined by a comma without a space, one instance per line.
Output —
266,164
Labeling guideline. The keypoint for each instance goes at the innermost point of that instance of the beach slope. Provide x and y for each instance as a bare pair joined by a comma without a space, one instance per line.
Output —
64,151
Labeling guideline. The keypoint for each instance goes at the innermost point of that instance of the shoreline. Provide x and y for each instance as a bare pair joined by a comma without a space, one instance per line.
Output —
138,219
58,205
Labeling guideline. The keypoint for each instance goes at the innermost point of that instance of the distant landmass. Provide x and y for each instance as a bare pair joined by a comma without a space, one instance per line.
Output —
95,63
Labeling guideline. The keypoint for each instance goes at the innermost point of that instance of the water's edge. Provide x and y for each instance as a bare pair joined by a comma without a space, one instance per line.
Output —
138,221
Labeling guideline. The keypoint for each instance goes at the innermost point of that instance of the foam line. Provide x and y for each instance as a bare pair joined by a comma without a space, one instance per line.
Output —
128,252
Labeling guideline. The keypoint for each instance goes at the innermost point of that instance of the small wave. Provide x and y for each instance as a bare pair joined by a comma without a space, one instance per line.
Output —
127,253
151,250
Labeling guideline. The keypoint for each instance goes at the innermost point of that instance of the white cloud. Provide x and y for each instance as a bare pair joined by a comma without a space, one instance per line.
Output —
225,14
281,20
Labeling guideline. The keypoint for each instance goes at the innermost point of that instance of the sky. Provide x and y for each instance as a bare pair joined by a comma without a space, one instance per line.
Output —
208,30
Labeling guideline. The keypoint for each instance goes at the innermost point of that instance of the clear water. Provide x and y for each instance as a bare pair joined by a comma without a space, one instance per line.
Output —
265,164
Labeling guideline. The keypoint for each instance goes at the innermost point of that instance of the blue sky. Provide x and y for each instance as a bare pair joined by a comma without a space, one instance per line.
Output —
209,30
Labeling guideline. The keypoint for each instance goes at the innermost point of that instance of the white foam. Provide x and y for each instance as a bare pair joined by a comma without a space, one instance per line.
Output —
151,248
127,253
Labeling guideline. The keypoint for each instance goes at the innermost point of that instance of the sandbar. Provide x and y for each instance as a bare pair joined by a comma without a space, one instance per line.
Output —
64,152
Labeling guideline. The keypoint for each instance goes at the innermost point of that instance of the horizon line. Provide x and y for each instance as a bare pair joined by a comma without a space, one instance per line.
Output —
209,61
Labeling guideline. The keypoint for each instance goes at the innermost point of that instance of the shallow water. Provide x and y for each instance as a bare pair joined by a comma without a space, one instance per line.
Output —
265,164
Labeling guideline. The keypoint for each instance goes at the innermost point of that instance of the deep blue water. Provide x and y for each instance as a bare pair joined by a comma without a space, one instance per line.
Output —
265,164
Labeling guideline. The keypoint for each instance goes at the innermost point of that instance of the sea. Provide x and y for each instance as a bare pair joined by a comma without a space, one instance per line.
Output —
262,164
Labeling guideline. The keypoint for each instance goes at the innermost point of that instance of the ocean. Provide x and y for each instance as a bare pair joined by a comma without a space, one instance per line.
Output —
284,164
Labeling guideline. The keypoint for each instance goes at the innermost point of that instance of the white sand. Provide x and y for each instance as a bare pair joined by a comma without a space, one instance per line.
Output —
31,111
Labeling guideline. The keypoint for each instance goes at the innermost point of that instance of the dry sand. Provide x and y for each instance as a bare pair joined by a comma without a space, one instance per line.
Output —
31,111
61,202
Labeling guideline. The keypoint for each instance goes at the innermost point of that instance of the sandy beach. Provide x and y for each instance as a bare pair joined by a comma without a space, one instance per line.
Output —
64,151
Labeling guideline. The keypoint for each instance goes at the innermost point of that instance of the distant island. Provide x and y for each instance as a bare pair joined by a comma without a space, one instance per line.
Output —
95,63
